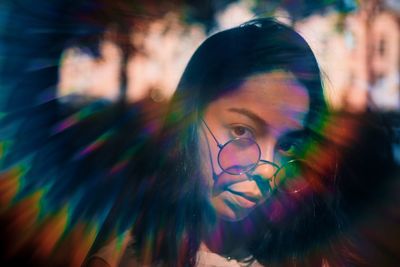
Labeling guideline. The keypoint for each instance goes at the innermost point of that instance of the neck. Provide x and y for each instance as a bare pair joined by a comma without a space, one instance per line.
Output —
227,239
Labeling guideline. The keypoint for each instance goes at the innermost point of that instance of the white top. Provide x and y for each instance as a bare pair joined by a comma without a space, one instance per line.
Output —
116,254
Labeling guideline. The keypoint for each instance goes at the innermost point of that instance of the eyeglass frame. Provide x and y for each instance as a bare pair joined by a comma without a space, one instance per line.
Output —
221,147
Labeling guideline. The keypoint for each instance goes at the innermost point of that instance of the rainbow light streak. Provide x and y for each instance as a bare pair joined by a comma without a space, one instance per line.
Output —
67,123
34,222
17,172
322,158
74,246
2,149
148,248
150,127
121,241
77,117
51,231
83,236
94,145
124,160
9,186
25,220
119,166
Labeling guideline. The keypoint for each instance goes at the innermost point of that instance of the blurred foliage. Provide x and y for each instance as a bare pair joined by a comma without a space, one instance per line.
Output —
52,26
124,16
84,22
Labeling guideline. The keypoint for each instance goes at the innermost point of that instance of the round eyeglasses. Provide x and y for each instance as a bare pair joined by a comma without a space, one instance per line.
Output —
242,155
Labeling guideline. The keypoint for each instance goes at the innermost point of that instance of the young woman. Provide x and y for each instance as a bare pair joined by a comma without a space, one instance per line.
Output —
249,169
232,183
246,169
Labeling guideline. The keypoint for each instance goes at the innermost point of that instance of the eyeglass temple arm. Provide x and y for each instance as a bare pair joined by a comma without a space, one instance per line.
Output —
208,128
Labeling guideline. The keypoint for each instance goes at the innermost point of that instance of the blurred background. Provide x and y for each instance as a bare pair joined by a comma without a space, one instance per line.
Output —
146,45
53,158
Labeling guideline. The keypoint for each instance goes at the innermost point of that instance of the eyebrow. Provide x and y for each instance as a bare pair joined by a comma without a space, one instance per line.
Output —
257,119
249,114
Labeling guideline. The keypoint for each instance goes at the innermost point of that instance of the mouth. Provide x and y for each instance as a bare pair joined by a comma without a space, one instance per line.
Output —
238,199
243,195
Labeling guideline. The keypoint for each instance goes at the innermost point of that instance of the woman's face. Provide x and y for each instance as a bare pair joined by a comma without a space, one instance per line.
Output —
269,108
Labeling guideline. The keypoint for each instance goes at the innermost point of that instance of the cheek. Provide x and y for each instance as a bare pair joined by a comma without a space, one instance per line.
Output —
206,156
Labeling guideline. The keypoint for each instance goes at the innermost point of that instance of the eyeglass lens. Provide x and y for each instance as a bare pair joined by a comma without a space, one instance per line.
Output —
241,155
291,176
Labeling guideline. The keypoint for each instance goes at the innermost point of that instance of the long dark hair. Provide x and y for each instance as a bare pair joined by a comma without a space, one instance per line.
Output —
174,207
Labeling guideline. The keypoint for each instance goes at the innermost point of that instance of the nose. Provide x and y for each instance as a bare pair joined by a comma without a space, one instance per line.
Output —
265,170
263,175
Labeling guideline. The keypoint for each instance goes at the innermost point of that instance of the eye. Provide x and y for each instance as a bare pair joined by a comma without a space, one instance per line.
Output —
290,146
240,131
287,148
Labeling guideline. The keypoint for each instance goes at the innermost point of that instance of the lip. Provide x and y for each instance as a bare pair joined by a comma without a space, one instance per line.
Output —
239,200
244,195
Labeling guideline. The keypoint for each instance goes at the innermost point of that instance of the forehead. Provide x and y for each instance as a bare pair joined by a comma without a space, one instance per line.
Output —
276,97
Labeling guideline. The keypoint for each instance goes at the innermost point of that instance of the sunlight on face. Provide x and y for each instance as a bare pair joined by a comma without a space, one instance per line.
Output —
266,107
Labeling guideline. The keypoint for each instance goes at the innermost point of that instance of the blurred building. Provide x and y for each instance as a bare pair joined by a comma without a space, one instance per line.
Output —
383,28
359,54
